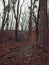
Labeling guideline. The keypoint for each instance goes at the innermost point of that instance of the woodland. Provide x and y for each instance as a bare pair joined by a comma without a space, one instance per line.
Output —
24,32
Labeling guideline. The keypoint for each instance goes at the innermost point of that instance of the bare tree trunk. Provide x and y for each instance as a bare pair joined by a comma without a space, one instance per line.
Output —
43,25
30,20
16,17
3,23
5,20
36,19
16,31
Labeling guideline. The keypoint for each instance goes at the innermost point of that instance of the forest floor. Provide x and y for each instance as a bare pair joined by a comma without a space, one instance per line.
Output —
23,52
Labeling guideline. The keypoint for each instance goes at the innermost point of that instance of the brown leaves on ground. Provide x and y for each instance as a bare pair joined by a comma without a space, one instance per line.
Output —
23,53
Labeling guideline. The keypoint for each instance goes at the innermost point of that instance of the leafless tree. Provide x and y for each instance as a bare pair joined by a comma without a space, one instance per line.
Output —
43,25
5,20
30,20
21,10
16,17
33,17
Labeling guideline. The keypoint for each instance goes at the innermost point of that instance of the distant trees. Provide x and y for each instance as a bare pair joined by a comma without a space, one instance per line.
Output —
41,21
33,17
17,16
5,19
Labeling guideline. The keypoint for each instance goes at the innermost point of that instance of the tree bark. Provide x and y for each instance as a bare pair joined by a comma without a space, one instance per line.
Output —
16,31
30,20
16,18
43,25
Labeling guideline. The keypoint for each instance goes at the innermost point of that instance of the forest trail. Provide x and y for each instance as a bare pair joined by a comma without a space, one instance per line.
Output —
21,53
28,54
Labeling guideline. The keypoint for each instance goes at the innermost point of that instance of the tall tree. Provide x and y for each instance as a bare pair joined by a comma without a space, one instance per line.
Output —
5,19
30,19
3,22
43,25
16,31
16,17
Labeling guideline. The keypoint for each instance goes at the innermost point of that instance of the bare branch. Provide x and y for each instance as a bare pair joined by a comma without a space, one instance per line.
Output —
21,9
14,10
4,3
